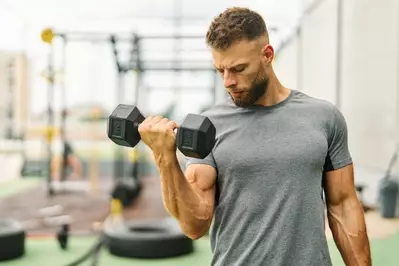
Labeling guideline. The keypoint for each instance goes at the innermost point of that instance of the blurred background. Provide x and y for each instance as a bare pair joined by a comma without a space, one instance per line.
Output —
55,99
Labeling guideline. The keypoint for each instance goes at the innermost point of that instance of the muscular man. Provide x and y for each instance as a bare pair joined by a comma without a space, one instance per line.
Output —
277,151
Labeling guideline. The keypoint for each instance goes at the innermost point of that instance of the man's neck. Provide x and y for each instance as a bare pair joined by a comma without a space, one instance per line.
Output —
275,93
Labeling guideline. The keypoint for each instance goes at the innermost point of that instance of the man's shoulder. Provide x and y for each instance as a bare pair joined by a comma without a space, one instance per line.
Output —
325,111
316,104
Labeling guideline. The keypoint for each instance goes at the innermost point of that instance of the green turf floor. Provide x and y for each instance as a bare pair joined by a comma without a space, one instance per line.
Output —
385,252
47,253
18,185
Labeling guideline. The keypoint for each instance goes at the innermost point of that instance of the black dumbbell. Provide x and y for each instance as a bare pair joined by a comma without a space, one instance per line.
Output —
195,137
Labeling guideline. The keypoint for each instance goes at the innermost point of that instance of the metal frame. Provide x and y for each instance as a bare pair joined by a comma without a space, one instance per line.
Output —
50,119
136,64
63,112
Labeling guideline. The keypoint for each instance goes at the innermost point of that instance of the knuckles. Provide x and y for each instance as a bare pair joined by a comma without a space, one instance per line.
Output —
156,124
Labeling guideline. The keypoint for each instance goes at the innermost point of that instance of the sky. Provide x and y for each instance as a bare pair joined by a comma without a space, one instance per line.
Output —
90,74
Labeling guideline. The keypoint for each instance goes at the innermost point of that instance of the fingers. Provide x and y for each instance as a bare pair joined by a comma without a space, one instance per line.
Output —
158,123
152,120
171,125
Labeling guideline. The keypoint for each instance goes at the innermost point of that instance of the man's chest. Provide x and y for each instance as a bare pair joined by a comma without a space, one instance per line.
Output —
276,146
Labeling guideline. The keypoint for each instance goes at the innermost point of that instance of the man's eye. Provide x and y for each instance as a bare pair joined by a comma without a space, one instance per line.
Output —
239,69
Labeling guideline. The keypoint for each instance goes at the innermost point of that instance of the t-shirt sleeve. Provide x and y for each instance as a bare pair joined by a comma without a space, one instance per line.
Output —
208,160
338,155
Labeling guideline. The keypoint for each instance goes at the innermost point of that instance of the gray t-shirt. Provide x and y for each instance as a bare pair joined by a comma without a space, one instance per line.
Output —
270,163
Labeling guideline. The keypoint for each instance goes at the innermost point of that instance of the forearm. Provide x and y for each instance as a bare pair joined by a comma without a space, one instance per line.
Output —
348,227
192,212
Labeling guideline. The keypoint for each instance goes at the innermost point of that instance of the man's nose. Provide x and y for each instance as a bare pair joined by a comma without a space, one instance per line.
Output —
229,81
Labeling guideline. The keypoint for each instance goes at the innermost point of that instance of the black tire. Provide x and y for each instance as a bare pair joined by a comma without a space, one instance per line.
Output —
12,240
148,239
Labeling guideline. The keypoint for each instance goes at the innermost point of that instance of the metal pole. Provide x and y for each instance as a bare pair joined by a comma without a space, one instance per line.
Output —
112,39
119,163
104,37
9,134
63,111
338,89
50,123
174,37
137,56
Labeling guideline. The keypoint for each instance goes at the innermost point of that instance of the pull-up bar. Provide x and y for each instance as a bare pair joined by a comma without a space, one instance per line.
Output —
136,63
174,65
49,34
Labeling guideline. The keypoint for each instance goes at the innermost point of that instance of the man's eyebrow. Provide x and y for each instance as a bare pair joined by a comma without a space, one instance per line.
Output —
233,66
238,65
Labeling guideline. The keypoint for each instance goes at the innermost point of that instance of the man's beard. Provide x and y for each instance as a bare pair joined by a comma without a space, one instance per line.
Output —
257,90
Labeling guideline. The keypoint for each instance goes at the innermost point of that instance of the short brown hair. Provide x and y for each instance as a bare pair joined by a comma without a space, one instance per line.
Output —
233,25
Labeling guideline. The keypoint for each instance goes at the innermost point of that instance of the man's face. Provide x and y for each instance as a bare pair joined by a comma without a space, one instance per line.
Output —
244,69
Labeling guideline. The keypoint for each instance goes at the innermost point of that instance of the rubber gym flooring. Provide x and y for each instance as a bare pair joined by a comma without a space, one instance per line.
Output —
84,208
45,252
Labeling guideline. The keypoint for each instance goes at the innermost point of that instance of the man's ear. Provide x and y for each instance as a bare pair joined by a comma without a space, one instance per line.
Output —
268,53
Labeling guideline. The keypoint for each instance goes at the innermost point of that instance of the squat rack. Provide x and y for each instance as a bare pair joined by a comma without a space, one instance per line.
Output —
136,64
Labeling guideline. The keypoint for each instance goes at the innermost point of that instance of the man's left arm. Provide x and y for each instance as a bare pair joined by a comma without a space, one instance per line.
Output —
344,211
346,217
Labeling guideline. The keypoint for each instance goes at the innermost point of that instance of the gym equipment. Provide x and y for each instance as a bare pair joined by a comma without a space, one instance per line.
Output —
47,35
51,211
47,216
60,223
12,240
389,191
52,217
63,236
135,63
146,239
94,252
126,189
194,138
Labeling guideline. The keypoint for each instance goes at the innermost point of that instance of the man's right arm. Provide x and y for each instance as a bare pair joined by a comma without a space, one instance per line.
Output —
190,196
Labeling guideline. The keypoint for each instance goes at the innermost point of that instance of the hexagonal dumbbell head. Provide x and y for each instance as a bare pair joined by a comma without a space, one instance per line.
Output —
196,136
123,125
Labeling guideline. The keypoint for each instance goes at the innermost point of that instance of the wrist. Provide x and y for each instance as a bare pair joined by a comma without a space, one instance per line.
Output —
165,157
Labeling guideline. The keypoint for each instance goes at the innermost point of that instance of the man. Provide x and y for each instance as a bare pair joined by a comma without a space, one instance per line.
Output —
261,187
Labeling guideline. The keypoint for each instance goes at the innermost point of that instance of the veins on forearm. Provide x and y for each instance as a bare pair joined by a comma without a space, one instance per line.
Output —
349,230
349,216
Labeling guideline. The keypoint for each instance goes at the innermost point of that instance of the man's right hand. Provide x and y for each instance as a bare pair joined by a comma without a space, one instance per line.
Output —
158,133
190,197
